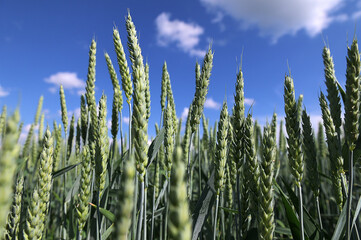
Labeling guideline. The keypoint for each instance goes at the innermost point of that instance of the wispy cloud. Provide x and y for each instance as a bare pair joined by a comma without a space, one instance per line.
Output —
185,113
3,92
210,103
69,80
185,35
279,17
126,120
249,101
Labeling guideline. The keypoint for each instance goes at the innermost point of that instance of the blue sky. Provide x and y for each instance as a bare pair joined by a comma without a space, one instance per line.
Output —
45,43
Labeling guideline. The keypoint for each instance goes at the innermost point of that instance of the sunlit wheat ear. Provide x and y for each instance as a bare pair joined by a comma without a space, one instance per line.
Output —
13,221
168,138
163,94
266,196
221,151
179,226
90,86
102,146
38,110
37,211
82,208
238,121
139,121
333,95
293,130
64,112
123,66
251,167
126,203
117,97
147,90
2,121
9,155
201,90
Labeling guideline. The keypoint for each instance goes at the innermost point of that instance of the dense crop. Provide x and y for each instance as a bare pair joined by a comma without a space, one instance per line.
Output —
230,181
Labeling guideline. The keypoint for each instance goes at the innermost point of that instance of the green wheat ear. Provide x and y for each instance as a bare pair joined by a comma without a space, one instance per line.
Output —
201,90
293,130
125,205
179,226
64,112
221,151
9,155
352,95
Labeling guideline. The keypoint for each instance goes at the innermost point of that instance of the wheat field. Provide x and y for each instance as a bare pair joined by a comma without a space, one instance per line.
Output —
233,180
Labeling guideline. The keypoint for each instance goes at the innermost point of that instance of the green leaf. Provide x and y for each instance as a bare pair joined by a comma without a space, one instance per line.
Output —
283,231
109,215
154,146
310,224
340,226
357,212
290,214
108,232
203,207
342,92
64,170
229,210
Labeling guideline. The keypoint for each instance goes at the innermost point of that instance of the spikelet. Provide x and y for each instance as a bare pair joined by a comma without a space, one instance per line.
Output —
221,152
293,131
163,93
168,138
3,121
123,66
56,158
38,208
125,205
38,110
9,155
64,113
251,168
201,90
332,91
336,160
26,147
147,91
179,226
352,95
266,196
84,118
139,122
117,98
41,129
90,92
78,137
309,148
170,99
13,221
238,119
82,207
102,146
70,138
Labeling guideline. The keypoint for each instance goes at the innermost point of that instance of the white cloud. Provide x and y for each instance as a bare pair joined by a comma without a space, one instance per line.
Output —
249,101
126,120
69,80
356,15
277,18
185,113
3,92
210,103
185,35
315,119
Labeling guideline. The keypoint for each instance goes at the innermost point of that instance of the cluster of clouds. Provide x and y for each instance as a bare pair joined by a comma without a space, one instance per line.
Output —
69,80
3,92
273,19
